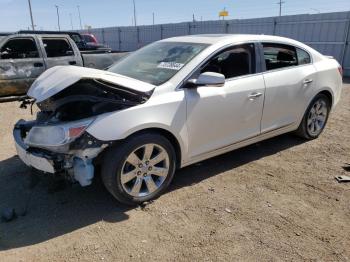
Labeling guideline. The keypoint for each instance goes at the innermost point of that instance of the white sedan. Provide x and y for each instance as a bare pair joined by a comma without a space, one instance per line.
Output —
173,103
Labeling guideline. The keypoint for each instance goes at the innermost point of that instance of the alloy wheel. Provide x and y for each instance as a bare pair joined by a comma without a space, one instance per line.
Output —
317,117
144,170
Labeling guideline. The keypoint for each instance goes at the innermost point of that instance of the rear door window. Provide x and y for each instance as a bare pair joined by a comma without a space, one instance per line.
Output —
19,48
279,56
57,47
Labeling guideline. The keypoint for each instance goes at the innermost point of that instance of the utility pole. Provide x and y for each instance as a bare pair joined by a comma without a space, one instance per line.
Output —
134,13
153,17
31,14
81,25
280,4
58,18
71,21
193,19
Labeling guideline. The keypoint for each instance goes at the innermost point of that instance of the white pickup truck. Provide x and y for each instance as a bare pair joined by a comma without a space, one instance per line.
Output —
23,57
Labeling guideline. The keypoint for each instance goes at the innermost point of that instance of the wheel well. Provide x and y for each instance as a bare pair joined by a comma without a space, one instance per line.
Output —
172,139
328,95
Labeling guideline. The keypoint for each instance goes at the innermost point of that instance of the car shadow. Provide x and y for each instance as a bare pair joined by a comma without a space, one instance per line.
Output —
45,209
198,172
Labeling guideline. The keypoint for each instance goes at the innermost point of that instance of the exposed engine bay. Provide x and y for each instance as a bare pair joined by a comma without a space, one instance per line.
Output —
87,98
56,141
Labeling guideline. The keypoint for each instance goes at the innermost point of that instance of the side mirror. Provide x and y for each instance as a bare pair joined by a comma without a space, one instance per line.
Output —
208,79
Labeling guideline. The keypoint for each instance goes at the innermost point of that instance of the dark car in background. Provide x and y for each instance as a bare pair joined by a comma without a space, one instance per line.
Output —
90,38
92,42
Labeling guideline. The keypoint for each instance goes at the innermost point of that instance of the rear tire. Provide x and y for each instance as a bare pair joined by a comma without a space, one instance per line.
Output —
315,118
139,169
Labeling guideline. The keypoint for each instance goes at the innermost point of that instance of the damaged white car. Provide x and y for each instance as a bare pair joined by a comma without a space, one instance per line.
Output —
174,103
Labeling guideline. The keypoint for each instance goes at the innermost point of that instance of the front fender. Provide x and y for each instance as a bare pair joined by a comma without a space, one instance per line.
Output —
167,112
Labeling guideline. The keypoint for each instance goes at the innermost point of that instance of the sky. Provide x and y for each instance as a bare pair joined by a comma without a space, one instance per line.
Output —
14,14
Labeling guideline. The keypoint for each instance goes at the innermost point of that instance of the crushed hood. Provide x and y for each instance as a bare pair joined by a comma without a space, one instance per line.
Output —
58,78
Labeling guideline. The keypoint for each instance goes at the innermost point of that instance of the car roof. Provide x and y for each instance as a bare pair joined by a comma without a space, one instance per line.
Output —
48,32
41,35
217,38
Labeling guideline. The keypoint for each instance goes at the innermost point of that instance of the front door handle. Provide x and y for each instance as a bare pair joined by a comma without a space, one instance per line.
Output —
308,81
254,95
39,64
72,62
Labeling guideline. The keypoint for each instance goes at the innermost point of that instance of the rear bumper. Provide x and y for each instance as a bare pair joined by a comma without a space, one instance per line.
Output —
31,159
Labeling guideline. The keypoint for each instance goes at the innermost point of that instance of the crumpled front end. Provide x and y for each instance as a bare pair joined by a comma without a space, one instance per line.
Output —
74,158
57,141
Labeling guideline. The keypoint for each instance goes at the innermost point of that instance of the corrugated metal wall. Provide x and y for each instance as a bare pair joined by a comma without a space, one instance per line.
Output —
327,33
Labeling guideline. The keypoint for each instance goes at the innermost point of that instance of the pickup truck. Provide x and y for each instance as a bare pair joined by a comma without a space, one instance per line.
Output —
23,57
79,40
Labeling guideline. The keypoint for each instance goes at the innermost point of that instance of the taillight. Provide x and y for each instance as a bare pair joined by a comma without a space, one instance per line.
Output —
340,71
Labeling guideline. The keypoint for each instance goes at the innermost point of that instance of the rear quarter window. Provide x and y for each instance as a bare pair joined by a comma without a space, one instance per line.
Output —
303,57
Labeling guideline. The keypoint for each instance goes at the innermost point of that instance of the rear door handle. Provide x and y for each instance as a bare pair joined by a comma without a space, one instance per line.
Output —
308,81
38,64
72,62
254,95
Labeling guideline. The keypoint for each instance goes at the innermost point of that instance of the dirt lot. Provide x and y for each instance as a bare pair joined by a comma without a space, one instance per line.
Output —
276,200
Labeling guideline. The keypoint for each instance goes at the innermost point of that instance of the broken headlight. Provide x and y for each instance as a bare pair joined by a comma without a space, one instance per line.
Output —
53,136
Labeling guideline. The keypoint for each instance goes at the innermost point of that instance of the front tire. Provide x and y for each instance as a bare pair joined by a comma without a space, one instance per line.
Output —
315,118
139,169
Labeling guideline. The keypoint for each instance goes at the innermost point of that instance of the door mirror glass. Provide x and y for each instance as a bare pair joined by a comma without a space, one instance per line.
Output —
208,79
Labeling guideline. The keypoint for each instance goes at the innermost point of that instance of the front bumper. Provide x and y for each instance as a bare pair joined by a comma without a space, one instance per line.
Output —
32,159
76,162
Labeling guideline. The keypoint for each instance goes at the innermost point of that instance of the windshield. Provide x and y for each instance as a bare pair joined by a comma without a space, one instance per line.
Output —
158,62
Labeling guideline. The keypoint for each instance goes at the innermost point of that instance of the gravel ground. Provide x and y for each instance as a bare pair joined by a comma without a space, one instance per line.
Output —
272,201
